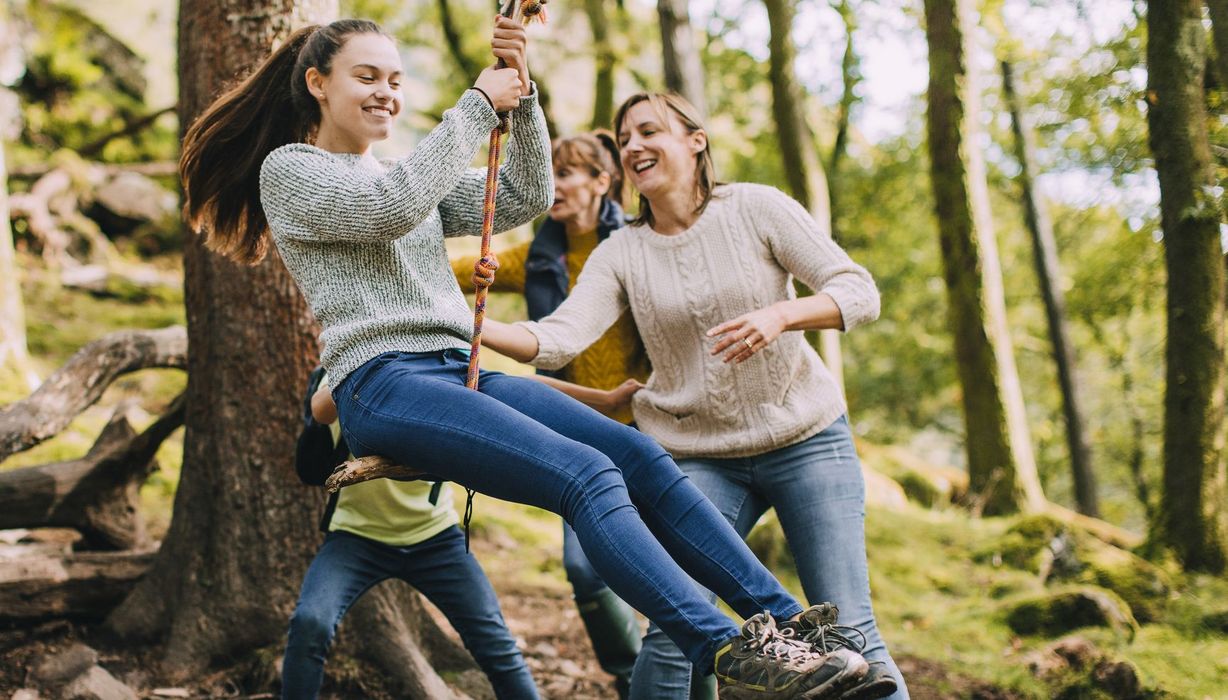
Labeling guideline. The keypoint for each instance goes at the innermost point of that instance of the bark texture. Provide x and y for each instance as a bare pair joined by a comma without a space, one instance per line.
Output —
684,72
82,380
1193,509
1049,276
1001,468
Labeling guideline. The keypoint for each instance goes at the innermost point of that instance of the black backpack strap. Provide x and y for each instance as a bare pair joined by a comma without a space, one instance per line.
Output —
329,508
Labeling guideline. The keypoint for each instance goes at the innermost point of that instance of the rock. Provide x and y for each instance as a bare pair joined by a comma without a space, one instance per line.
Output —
97,684
171,693
1077,652
1061,612
1140,583
66,665
26,694
930,485
882,491
130,200
1119,679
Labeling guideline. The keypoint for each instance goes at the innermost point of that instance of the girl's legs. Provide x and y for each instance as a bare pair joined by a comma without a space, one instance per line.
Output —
452,579
344,568
522,441
818,491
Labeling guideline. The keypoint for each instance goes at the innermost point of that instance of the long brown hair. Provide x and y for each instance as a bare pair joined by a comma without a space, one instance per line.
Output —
596,151
225,147
705,170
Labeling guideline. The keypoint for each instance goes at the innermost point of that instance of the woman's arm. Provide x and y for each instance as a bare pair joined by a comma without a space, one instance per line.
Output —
510,278
323,410
511,340
608,402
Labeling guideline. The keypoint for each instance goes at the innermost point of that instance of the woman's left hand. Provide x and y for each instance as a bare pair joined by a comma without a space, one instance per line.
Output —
747,334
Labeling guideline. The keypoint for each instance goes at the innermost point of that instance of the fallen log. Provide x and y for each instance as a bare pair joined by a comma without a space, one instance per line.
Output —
82,380
40,585
98,494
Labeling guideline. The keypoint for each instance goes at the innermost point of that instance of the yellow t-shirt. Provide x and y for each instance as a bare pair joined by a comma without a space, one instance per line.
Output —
397,513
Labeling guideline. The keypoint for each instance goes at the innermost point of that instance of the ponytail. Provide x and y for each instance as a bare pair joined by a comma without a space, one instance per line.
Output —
225,147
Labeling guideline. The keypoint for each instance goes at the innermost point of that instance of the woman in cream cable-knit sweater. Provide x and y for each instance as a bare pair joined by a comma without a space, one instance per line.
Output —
737,396
364,241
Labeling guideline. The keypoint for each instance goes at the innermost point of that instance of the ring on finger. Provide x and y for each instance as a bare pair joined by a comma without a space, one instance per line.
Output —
749,345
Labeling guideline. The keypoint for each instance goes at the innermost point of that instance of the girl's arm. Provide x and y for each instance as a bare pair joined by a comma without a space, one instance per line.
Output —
608,402
510,277
310,194
526,180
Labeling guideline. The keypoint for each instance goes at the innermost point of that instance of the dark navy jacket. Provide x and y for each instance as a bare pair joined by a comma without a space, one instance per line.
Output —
545,268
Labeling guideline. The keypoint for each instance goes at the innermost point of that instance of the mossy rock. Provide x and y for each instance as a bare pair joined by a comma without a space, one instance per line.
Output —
1140,583
1022,545
928,485
1055,614
1216,622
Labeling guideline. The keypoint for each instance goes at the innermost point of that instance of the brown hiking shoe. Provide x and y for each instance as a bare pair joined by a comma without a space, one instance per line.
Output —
763,664
817,627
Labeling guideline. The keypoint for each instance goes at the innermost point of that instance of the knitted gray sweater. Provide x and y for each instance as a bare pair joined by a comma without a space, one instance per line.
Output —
364,239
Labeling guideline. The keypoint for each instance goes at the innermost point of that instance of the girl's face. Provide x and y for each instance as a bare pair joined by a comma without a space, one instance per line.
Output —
577,192
658,156
361,96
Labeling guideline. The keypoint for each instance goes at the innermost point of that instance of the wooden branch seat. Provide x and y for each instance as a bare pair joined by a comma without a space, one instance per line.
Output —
363,469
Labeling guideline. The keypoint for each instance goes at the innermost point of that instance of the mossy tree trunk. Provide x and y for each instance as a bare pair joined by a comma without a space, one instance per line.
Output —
1193,512
1049,274
798,151
1001,467
684,72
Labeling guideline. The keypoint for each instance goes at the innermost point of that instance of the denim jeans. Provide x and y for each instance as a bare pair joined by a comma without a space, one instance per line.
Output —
818,492
440,568
641,521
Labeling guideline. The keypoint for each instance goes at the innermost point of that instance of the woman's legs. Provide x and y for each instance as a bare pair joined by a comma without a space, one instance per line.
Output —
611,624
517,440
452,579
818,491
344,568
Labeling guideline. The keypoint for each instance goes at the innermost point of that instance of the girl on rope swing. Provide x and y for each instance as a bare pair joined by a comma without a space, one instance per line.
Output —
746,407
363,239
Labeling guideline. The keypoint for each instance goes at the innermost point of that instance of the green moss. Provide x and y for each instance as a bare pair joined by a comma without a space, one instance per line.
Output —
1053,614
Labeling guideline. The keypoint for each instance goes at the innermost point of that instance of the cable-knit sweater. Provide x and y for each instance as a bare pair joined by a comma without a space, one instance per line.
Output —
740,255
364,239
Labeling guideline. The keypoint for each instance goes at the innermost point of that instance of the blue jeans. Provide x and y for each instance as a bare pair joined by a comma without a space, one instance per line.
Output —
641,521
440,568
818,492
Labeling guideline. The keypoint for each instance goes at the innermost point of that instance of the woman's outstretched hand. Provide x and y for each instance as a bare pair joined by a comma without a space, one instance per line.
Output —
484,271
619,397
747,334
509,43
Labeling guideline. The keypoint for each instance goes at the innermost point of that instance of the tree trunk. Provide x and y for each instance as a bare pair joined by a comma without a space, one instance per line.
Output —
1002,472
98,494
82,380
13,353
798,150
684,72
1193,509
42,584
1049,275
603,56
1219,35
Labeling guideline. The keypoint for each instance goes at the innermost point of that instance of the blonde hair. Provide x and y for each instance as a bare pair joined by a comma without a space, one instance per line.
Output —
595,150
663,103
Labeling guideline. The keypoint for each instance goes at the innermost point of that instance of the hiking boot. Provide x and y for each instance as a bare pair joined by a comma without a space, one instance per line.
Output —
763,664
817,627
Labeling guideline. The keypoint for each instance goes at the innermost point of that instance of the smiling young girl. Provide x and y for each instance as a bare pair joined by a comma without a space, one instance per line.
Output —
364,241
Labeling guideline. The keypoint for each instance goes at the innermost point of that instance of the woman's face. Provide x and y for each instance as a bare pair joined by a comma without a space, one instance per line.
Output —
658,156
361,96
577,192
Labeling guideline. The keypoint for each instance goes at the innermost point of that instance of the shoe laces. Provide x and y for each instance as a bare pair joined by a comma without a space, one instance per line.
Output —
828,637
766,639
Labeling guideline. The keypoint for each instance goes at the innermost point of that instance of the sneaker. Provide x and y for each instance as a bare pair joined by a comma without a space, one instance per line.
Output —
817,627
762,663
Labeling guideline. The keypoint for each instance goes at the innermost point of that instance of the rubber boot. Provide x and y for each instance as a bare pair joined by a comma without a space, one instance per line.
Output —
615,634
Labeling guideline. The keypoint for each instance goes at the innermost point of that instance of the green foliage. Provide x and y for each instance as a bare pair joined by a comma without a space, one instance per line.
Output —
81,84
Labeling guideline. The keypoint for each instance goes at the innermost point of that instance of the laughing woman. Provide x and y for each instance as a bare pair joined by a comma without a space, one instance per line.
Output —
737,396
364,240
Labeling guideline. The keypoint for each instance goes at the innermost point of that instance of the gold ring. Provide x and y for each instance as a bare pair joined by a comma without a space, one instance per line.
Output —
749,345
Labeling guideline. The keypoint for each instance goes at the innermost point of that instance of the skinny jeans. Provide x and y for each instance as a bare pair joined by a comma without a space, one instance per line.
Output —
645,527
